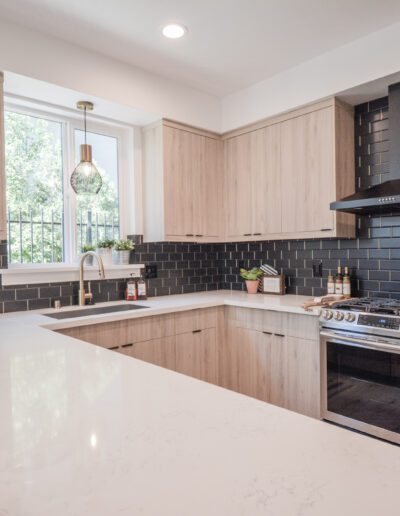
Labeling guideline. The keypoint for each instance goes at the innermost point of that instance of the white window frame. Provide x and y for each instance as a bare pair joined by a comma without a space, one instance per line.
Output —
126,178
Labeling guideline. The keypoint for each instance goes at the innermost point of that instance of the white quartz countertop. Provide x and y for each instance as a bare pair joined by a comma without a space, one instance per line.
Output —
163,305
86,431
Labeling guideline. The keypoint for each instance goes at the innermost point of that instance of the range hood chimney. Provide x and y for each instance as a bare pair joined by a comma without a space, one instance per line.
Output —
383,198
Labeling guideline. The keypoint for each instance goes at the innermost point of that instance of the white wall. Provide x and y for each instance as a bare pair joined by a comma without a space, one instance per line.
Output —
364,60
36,55
45,58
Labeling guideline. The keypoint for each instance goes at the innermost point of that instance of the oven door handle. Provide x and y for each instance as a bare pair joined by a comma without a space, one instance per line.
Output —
361,343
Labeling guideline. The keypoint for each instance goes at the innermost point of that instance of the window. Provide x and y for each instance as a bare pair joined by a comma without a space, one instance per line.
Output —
47,222
34,179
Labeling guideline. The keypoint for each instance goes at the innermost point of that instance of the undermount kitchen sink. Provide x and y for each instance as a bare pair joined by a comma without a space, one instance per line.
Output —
83,312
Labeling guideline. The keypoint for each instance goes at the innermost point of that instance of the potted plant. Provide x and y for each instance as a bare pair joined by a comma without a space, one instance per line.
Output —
252,279
85,249
104,250
122,251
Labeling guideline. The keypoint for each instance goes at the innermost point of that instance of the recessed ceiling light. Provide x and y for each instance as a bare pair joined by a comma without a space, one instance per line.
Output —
174,31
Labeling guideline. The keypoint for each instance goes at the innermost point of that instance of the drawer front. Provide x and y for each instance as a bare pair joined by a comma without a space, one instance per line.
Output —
192,320
107,335
148,328
253,319
301,326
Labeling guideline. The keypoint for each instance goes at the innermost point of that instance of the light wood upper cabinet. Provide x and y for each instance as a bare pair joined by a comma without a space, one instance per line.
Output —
307,151
283,173
182,184
253,183
180,151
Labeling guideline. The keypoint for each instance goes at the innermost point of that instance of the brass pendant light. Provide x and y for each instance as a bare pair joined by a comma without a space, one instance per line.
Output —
86,179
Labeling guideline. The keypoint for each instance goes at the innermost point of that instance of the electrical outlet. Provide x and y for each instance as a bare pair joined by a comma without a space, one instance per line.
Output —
317,270
150,271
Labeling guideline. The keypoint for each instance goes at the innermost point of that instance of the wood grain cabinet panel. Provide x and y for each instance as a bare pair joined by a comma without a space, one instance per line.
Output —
197,356
253,183
253,363
281,174
180,150
192,320
159,352
295,375
307,167
182,184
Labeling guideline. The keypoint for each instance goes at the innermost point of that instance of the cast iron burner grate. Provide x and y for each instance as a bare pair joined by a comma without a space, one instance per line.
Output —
375,305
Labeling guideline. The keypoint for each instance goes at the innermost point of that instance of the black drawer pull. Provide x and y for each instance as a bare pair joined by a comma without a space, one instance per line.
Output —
326,229
114,347
268,332
257,234
189,234
196,331
246,234
279,335
198,235
127,345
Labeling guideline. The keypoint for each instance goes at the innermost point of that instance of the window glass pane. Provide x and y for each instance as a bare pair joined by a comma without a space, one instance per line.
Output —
34,189
98,215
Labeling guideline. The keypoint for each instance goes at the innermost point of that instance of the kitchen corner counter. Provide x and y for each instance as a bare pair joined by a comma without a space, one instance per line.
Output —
164,305
88,431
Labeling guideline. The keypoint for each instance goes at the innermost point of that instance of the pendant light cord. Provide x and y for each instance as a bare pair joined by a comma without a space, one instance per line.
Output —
85,122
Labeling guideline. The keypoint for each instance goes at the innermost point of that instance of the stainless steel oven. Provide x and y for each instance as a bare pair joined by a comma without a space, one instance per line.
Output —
360,385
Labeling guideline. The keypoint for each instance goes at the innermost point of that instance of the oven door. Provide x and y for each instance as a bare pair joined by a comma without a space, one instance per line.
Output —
361,382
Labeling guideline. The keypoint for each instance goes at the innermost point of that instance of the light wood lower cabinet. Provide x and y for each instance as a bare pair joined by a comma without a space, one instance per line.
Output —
268,355
294,375
160,352
272,356
196,354
253,360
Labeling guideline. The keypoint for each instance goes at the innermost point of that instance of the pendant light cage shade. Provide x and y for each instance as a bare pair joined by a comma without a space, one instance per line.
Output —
86,179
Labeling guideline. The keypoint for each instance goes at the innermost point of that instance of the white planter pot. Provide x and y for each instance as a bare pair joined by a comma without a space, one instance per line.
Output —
106,255
121,257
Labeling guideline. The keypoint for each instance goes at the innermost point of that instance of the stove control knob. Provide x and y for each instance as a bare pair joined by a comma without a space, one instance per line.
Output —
338,316
327,314
350,317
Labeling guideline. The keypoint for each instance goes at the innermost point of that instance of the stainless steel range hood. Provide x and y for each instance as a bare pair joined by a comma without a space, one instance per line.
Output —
383,198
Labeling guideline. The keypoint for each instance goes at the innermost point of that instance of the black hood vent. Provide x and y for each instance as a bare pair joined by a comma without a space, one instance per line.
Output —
383,198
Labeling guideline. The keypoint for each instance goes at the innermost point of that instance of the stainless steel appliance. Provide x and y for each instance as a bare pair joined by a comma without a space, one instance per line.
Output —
360,350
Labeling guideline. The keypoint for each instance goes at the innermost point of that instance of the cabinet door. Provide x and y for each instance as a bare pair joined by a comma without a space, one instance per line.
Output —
179,149
160,352
266,181
295,375
207,187
196,354
253,361
307,161
238,184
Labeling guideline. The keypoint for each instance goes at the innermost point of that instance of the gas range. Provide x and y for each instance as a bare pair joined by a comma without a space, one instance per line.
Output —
373,316
360,364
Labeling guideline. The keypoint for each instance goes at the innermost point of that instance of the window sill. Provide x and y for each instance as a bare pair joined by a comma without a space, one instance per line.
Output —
54,273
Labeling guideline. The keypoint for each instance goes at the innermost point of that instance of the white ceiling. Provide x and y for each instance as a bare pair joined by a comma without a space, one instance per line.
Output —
231,44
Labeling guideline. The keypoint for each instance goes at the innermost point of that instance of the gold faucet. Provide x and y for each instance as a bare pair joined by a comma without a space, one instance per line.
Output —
82,294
